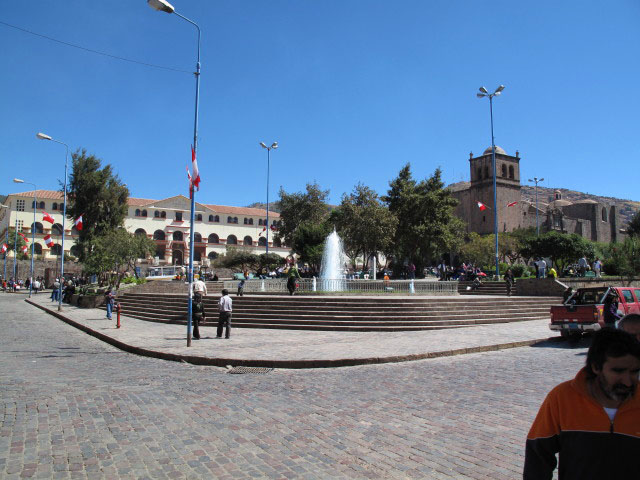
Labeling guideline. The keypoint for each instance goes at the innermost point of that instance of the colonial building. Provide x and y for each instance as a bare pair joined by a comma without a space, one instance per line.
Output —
588,218
166,221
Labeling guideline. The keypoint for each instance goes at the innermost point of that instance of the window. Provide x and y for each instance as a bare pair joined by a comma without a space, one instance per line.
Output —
156,214
262,242
144,213
159,235
74,250
20,225
260,222
277,242
37,248
604,214
248,241
197,256
140,231
163,214
197,237
637,292
199,217
74,231
56,250
246,221
275,222
178,236
484,218
251,221
628,296
56,229
511,175
211,218
212,255
160,252
38,227
213,238
178,216
41,205
54,206
235,219
137,213
504,170
229,219
232,240
20,205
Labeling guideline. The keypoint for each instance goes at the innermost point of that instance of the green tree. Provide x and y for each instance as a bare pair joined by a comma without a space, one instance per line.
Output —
366,226
633,229
237,258
561,248
308,243
19,244
478,249
270,261
299,207
427,226
115,253
99,196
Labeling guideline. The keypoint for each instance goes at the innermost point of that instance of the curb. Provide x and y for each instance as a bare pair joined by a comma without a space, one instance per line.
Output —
293,364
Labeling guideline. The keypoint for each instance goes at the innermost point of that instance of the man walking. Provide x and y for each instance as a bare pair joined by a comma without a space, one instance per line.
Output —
197,307
225,306
592,421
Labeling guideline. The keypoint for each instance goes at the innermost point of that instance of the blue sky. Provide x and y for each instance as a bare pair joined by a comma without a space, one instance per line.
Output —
351,90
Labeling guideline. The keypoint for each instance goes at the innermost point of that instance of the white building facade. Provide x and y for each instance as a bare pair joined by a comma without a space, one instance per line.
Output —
167,221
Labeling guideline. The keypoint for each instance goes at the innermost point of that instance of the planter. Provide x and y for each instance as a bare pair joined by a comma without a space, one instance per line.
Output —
90,301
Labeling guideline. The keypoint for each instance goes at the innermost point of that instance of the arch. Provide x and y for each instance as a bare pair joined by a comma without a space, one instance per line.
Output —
163,214
235,219
274,223
197,256
246,221
140,231
75,250
144,213
262,242
160,252
247,241
199,217
56,229
56,250
37,248
277,242
54,206
197,237
504,170
232,240
604,214
259,222
178,236
212,255
41,205
156,214
137,212
38,227
511,172
178,257
217,219
74,231
229,219
159,235
251,221
211,218
213,238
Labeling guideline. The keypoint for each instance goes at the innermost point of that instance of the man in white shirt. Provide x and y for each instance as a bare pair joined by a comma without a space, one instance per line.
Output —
542,268
199,288
225,307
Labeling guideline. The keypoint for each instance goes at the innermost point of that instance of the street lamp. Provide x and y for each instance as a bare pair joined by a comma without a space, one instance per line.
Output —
536,180
5,253
33,228
43,136
164,6
485,93
274,145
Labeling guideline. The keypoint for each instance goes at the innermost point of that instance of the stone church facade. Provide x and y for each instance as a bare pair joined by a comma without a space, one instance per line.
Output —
592,220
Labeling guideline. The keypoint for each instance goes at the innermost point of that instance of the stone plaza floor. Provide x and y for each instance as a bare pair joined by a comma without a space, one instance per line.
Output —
76,407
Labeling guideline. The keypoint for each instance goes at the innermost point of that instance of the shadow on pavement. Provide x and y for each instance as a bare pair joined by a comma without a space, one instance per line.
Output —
561,343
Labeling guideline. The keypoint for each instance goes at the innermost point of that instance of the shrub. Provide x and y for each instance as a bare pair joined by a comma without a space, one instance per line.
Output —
520,270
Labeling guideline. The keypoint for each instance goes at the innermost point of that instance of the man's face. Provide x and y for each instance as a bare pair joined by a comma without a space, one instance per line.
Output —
618,378
632,328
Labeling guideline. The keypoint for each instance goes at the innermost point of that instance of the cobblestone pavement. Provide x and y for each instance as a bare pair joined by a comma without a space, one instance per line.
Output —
320,347
74,407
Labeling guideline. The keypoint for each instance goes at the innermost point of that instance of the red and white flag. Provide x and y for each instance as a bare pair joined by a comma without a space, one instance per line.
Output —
263,230
47,218
512,204
194,167
23,237
25,249
78,223
4,248
482,206
48,240
274,228
190,183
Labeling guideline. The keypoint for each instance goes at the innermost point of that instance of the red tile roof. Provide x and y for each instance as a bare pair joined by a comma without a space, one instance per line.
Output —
41,194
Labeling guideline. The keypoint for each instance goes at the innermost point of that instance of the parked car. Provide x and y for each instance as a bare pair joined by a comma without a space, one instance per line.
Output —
584,310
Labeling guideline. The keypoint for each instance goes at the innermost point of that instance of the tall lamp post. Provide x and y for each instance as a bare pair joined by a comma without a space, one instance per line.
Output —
43,136
5,253
274,145
485,93
164,6
536,180
33,228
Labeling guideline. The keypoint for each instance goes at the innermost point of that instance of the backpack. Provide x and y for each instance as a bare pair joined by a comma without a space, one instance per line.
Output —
198,311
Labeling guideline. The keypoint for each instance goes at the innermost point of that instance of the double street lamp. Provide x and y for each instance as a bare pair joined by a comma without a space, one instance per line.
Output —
536,180
484,93
273,146
43,136
164,6
33,229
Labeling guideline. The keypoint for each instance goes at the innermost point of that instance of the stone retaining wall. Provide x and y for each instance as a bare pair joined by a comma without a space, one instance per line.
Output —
555,287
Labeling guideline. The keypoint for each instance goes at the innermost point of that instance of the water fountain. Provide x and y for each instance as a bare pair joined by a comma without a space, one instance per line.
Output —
333,264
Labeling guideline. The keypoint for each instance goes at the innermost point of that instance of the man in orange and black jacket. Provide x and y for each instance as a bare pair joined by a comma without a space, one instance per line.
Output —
592,421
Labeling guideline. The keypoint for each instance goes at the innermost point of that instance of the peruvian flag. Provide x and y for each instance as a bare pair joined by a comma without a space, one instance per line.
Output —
273,228
47,218
78,223
23,237
190,183
263,230
4,248
512,204
48,240
194,167
482,206
25,249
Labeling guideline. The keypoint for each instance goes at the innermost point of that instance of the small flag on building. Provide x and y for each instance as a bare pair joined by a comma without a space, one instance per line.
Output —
47,218
4,248
23,237
48,240
263,230
512,204
78,223
482,206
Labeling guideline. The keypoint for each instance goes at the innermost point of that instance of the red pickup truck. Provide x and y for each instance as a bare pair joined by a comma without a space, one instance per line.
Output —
584,310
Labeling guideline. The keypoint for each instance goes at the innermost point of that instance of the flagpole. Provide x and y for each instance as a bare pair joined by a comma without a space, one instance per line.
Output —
15,247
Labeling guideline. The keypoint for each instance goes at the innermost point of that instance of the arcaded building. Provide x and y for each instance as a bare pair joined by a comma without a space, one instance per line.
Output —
592,220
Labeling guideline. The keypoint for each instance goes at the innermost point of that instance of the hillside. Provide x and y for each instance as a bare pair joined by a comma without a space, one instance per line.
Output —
626,208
